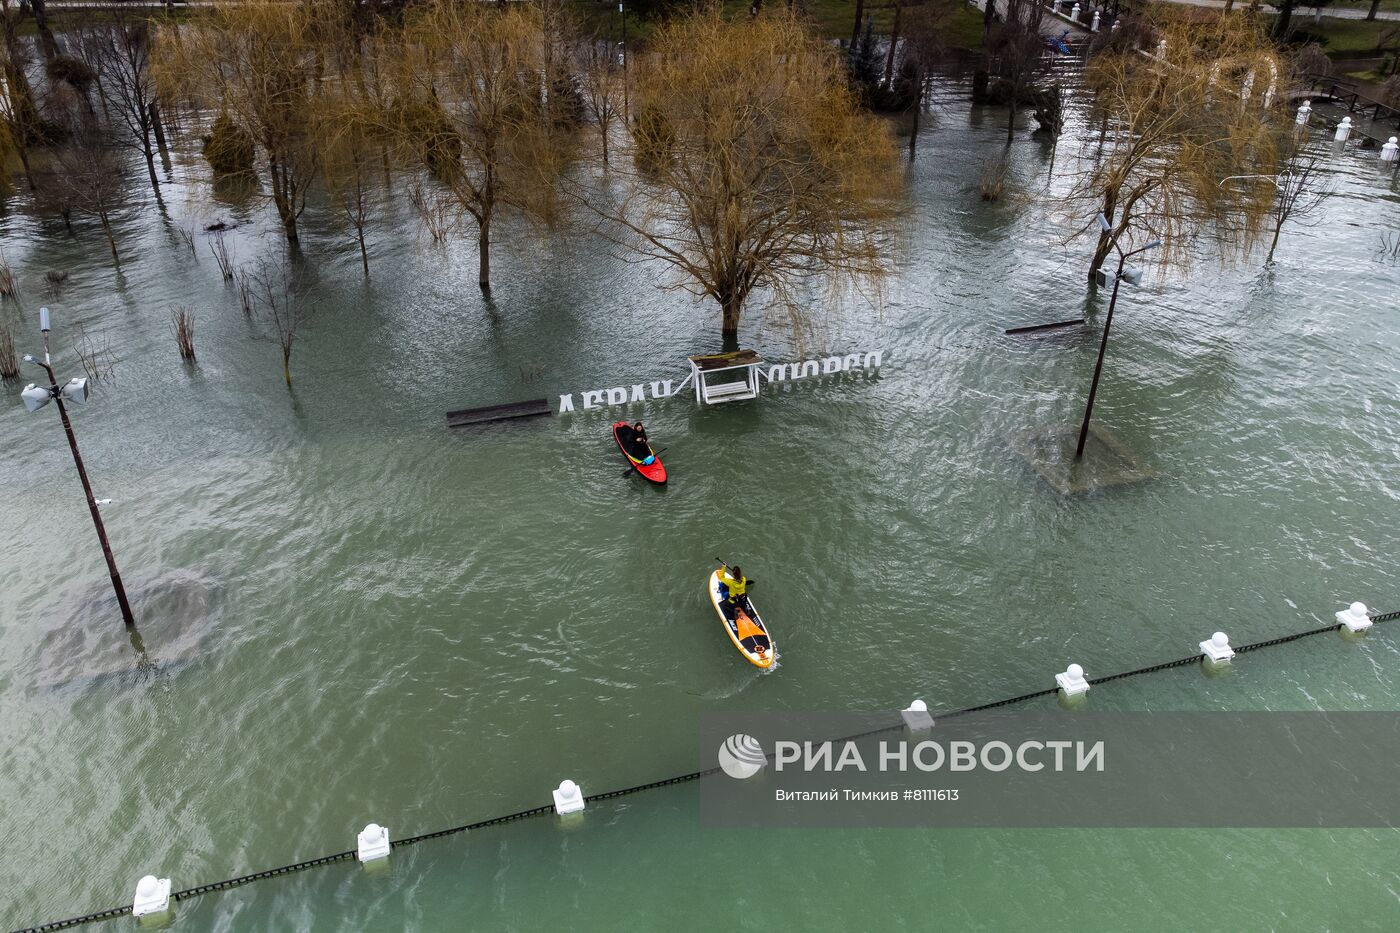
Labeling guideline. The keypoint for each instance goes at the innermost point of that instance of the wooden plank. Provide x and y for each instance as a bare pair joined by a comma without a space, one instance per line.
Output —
527,409
1033,328
734,360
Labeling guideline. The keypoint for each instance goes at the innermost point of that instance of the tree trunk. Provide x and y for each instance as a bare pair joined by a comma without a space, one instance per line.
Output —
1285,13
284,198
289,225
918,109
1229,5
989,14
1375,5
603,132
159,132
41,22
102,96
151,167
364,253
1011,113
894,44
1278,228
483,244
855,30
732,306
287,363
23,151
111,239
1106,237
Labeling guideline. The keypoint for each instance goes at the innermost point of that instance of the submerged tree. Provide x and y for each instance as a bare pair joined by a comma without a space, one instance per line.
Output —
602,87
1175,127
89,177
23,125
923,50
1299,190
757,167
273,293
255,62
1017,52
470,101
119,52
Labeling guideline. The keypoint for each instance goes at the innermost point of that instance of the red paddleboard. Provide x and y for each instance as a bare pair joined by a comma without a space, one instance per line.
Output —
653,471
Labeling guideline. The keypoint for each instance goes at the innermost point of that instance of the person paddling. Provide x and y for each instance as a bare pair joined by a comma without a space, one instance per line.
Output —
641,447
734,588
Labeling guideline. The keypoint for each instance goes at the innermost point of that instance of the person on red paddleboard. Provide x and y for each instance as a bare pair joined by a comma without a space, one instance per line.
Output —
641,447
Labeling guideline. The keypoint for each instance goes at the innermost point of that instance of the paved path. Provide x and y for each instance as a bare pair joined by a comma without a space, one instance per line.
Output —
1300,11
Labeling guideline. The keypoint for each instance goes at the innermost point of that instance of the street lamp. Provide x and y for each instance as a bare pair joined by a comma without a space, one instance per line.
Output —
1134,276
75,391
626,117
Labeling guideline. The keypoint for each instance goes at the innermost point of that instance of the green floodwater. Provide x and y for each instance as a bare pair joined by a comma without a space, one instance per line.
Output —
358,615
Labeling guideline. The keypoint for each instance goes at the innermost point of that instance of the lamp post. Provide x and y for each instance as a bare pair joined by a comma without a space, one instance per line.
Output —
75,391
626,117
1108,323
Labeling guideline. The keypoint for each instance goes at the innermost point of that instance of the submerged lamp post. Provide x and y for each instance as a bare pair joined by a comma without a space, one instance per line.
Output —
75,391
1133,276
626,117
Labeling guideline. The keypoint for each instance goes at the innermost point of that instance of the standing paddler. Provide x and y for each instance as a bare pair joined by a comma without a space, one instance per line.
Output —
733,588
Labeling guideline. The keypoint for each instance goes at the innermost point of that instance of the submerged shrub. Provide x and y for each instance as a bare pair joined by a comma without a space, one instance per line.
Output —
229,148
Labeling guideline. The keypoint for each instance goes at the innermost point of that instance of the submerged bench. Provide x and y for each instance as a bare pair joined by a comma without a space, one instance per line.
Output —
465,416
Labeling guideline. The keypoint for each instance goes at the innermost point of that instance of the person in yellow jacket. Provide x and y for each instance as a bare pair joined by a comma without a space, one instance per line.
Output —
734,587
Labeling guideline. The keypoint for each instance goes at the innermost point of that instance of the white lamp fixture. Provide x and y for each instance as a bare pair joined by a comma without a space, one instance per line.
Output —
35,397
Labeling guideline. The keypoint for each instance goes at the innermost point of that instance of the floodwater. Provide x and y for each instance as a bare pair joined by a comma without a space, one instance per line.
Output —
352,613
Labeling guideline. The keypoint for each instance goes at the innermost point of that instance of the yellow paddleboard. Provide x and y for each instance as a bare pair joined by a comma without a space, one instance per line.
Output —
746,630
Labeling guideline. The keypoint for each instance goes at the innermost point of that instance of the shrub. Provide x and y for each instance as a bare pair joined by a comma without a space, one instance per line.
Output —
229,148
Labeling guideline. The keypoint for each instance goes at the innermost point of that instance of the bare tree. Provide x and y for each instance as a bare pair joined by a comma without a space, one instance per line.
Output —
1175,126
119,51
1299,191
277,300
471,105
347,142
754,166
1017,52
20,115
346,167
89,177
41,25
255,60
923,50
602,86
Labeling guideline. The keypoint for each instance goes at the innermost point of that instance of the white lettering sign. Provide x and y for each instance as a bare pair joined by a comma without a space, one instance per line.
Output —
865,360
